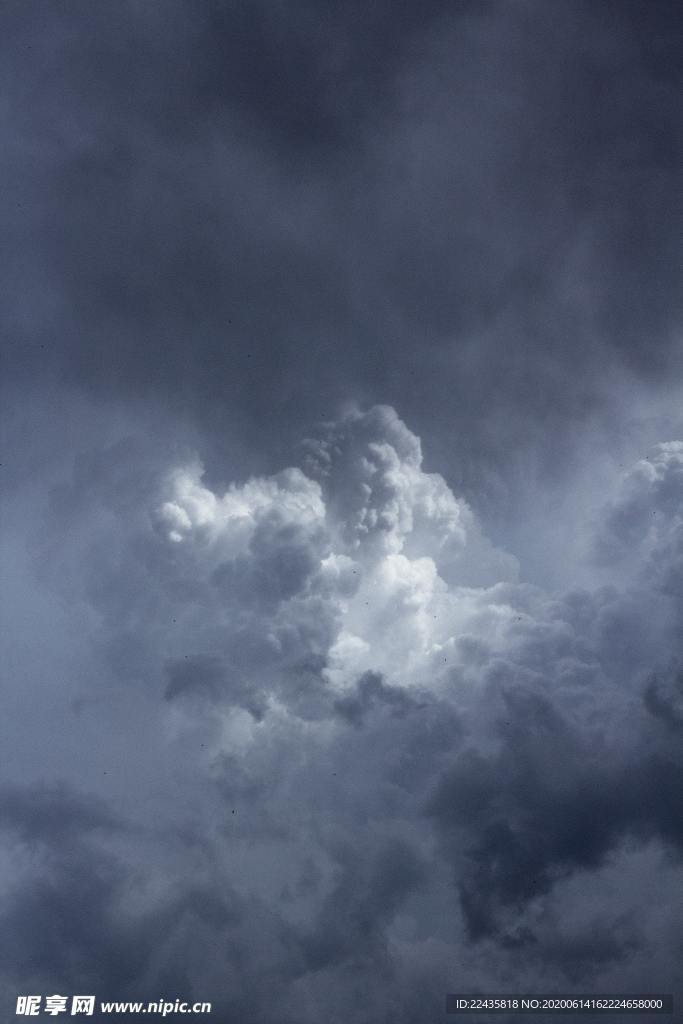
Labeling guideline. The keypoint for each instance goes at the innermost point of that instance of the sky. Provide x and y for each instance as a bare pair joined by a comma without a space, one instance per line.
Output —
342,512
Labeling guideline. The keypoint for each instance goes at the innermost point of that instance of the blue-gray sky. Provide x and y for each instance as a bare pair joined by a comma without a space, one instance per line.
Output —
342,524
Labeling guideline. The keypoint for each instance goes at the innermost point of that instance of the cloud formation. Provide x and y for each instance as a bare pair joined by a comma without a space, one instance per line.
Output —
470,211
296,718
379,766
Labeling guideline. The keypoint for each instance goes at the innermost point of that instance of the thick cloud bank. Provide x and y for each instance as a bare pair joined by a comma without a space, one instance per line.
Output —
295,718
336,757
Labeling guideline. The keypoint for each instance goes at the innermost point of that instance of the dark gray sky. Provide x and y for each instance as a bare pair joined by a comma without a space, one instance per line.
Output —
342,523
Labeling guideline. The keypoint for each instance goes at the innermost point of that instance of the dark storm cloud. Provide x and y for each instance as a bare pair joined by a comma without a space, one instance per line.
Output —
203,674
548,801
371,693
536,811
365,897
50,812
663,698
59,919
249,213
318,829
321,754
79,917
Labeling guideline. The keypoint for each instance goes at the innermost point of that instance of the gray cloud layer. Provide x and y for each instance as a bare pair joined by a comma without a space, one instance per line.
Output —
326,727
247,214
309,773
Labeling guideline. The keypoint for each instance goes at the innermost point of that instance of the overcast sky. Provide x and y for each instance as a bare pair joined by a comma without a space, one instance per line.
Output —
342,506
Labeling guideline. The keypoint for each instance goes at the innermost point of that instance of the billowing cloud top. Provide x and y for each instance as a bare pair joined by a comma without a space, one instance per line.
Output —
344,565
367,758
